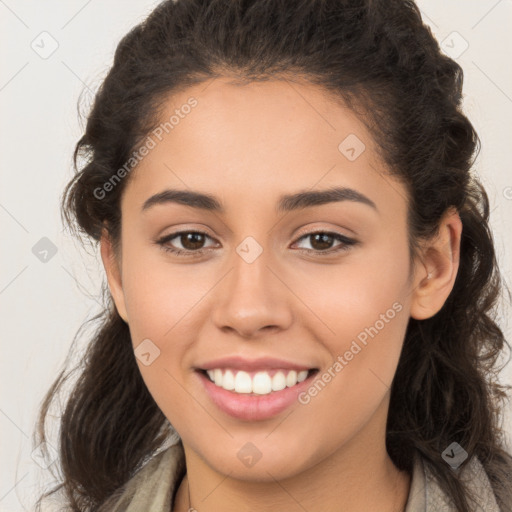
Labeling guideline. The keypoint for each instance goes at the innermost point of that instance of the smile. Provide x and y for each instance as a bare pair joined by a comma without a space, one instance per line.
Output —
248,405
261,382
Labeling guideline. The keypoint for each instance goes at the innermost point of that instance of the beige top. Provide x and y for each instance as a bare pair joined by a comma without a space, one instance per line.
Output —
153,487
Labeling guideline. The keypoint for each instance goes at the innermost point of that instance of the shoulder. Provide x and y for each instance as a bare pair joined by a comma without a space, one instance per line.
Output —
427,495
153,486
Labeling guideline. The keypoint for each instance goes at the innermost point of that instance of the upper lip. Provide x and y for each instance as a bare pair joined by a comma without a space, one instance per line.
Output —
262,363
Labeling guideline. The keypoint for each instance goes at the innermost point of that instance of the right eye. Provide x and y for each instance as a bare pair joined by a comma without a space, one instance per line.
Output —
196,238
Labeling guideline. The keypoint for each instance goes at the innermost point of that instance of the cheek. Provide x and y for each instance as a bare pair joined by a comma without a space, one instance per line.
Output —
368,286
363,311
163,301
160,303
158,293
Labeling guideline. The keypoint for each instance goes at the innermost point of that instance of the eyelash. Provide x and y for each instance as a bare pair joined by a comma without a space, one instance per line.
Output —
347,243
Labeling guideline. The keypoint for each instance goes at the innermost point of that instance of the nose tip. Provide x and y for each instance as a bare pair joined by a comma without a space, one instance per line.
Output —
252,300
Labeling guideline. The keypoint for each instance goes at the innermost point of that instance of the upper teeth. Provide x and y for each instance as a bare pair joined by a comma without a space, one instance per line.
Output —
261,382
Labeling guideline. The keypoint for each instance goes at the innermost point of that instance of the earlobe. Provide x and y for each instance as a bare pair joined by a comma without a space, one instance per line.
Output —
113,273
434,279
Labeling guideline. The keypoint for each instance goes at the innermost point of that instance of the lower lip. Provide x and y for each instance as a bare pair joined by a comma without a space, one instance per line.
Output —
254,407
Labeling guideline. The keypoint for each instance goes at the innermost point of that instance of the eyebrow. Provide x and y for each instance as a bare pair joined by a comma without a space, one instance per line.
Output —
286,203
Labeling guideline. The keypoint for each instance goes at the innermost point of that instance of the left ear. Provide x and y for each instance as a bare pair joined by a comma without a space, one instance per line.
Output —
440,257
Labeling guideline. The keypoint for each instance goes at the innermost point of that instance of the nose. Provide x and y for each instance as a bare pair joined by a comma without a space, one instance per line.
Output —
253,299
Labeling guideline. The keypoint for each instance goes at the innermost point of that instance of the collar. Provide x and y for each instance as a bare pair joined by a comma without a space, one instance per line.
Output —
426,495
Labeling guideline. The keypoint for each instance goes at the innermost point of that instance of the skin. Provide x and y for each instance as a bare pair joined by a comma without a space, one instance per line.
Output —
247,145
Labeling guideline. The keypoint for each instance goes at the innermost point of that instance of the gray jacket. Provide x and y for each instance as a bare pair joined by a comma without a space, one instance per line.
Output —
153,487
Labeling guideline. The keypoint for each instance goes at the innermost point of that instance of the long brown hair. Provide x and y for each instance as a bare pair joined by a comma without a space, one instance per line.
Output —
380,59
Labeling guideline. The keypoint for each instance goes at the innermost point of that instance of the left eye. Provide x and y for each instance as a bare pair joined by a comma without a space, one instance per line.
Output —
195,239
323,238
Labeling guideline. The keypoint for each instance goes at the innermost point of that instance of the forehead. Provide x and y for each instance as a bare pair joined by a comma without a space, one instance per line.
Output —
267,138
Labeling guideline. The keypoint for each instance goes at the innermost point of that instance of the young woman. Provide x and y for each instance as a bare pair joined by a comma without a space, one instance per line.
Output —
301,270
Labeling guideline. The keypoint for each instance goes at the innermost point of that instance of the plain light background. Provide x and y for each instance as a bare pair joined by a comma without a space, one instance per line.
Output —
53,52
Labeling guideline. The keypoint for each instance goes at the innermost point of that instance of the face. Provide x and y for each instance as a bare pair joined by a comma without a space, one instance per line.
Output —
324,286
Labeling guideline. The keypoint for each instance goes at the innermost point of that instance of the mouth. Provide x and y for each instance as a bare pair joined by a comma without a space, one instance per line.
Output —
256,383
250,398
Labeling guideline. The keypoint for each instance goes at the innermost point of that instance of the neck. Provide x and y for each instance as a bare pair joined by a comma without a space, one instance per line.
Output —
360,476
